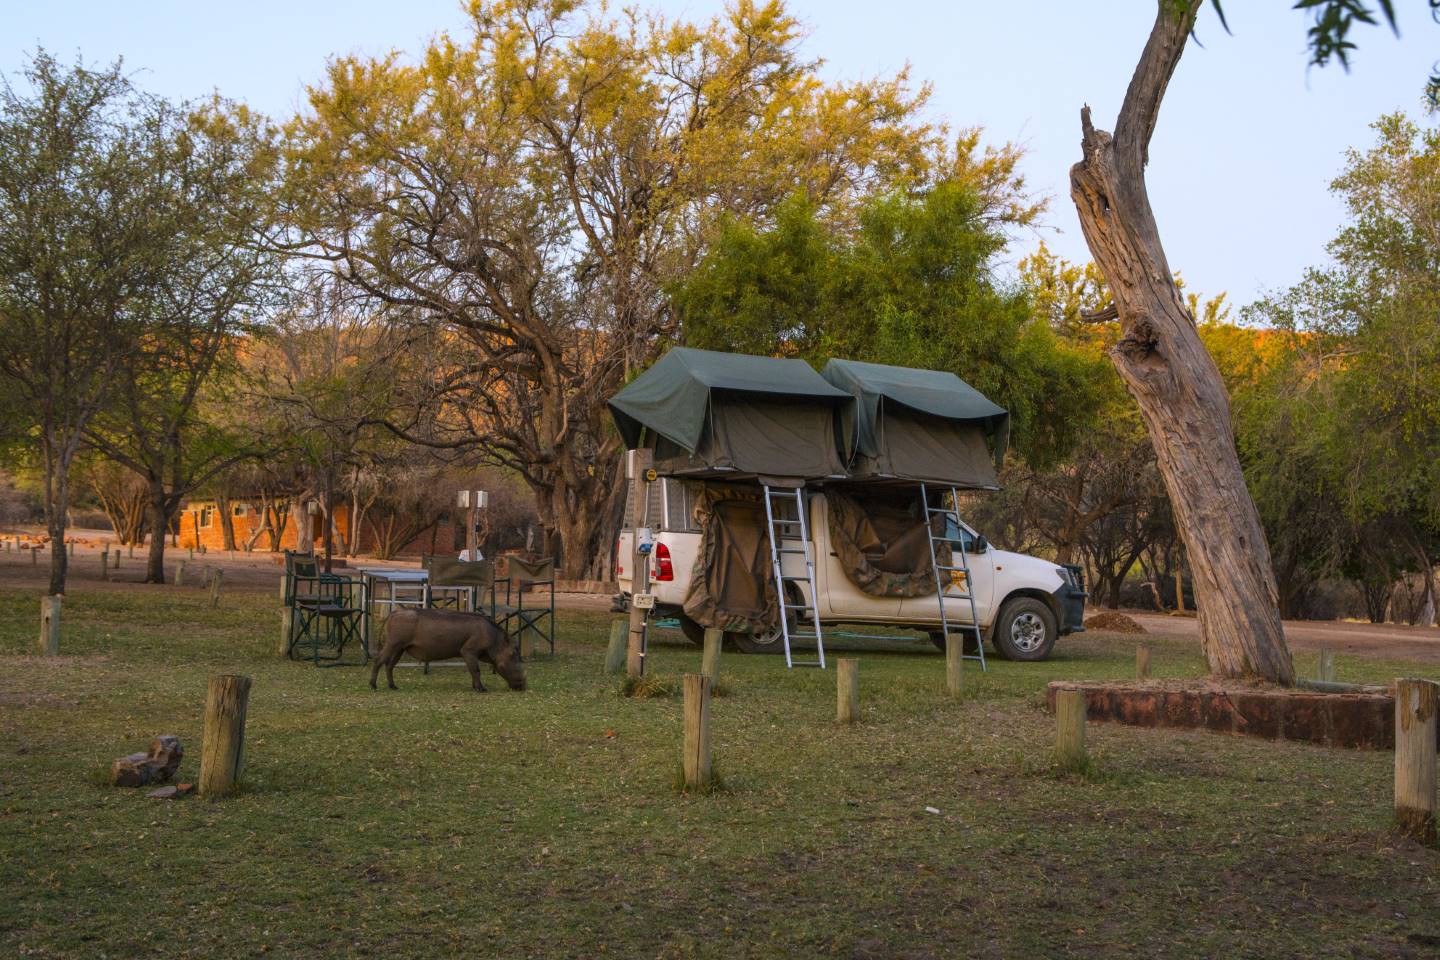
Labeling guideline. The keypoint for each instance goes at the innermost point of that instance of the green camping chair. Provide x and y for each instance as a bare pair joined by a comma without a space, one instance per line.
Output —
327,613
479,577
538,617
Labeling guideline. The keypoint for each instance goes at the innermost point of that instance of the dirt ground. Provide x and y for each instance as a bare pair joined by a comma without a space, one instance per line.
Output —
1385,641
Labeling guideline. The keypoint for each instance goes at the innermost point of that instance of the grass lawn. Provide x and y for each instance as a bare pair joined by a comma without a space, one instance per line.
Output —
434,821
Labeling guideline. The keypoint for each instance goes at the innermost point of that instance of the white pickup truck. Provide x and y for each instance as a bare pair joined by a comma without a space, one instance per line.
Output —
1023,603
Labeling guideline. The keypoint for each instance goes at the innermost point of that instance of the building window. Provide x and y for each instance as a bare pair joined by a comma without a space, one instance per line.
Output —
207,516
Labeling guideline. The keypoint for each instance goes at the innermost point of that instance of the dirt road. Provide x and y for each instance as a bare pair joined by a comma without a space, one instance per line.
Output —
1379,640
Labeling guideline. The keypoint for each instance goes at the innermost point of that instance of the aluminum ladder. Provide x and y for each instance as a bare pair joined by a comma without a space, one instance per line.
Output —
790,536
943,579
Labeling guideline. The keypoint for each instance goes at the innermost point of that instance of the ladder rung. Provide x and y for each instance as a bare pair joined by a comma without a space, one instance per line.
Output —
959,569
789,579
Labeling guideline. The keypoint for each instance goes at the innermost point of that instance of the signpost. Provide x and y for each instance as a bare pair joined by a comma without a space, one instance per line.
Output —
637,470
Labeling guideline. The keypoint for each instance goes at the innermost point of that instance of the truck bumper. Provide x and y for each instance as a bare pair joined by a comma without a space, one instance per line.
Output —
1070,599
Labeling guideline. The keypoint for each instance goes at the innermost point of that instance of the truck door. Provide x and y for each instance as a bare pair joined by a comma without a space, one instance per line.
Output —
841,598
926,609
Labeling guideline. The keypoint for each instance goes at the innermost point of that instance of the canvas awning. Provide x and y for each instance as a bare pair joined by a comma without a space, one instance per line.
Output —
925,425
714,414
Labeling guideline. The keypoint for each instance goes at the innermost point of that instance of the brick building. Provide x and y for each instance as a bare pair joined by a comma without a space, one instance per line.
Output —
200,526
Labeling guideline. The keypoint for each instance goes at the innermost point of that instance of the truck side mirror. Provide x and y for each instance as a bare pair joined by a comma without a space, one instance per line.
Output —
981,545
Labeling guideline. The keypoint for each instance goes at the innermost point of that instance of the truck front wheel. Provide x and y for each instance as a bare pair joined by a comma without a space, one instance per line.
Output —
1025,630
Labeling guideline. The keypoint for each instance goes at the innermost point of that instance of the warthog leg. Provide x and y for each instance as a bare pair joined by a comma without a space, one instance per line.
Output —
472,660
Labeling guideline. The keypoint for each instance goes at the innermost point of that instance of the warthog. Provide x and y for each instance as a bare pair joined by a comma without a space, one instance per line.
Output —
429,635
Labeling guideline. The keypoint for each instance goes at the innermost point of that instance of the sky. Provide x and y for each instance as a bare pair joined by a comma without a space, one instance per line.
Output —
1247,144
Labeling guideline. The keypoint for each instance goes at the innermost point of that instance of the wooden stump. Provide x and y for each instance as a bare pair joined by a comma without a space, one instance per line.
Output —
1415,708
286,619
1142,662
222,754
954,664
34,556
50,626
105,564
710,660
615,653
179,573
117,558
1070,729
847,690
696,759
215,577
1326,671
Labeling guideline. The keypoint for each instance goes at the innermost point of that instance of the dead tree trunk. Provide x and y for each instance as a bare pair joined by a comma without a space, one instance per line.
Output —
1173,379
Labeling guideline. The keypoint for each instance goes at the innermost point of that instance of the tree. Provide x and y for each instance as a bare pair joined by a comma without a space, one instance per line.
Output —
1175,383
913,283
213,167
78,250
531,187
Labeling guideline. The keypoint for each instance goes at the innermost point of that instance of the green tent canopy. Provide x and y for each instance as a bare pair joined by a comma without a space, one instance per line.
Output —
925,425
709,414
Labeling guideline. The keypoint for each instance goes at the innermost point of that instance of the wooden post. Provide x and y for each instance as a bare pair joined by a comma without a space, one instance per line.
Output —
1142,662
117,558
615,652
286,615
215,577
640,461
1070,729
710,660
1326,671
179,572
696,760
192,553
50,626
1415,708
954,663
132,551
72,549
34,556
105,564
847,690
222,751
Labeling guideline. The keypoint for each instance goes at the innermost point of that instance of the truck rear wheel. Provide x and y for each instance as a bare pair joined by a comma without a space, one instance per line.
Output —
692,630
1025,630
766,641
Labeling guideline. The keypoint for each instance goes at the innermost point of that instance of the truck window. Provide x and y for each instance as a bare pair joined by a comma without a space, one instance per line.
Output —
953,528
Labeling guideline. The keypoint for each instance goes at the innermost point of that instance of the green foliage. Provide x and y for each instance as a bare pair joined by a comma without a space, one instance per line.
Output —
913,283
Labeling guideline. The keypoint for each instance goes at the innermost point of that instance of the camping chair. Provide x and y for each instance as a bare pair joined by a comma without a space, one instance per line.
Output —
327,613
479,577
539,617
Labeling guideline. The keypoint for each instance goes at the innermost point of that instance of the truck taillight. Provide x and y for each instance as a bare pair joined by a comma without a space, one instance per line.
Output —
664,570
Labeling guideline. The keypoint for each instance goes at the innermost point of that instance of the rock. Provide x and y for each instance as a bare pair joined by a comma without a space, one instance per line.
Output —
157,766
136,770
165,793
167,748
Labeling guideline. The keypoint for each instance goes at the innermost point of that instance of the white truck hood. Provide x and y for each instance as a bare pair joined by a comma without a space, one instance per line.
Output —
1019,566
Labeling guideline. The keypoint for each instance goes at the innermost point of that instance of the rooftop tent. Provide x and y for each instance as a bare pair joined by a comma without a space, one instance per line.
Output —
924,425
709,414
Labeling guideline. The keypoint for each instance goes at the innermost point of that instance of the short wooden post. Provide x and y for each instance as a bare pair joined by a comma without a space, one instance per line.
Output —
222,751
72,549
710,660
215,577
847,690
132,551
1070,729
696,760
1415,708
50,626
105,564
34,556
1326,670
286,618
1142,662
117,558
954,664
179,573
192,553
615,653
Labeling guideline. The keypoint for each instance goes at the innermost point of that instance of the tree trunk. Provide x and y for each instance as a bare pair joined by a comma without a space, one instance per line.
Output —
1173,379
304,525
159,520
227,522
57,509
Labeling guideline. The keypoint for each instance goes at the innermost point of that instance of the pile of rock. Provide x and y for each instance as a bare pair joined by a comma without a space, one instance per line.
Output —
156,766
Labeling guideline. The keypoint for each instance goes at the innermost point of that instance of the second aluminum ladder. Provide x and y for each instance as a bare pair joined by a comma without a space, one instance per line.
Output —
943,580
